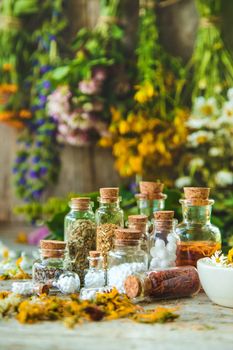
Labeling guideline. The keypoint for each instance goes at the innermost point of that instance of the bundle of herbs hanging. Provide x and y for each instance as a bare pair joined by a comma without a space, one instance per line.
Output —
85,84
211,63
37,161
147,138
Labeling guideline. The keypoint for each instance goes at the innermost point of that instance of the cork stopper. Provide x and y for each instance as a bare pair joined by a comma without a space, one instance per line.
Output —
80,203
137,219
164,220
127,236
109,194
52,249
164,215
197,195
133,287
94,256
94,253
147,187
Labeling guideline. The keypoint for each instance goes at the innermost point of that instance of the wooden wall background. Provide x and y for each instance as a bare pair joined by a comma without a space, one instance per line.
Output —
86,169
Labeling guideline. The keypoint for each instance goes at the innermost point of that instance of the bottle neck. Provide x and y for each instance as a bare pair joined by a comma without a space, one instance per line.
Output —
109,205
196,214
148,207
126,246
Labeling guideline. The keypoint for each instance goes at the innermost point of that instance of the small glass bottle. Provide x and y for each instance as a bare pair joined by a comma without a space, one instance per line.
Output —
198,238
140,223
150,199
172,283
109,216
95,275
51,264
80,235
126,258
163,244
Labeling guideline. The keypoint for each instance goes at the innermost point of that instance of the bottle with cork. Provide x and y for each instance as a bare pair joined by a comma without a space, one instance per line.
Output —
169,283
109,216
163,240
95,275
126,257
140,223
198,238
50,266
80,235
150,199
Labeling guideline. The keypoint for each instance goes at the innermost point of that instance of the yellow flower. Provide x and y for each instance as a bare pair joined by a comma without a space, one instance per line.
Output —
24,113
105,142
135,163
124,127
123,167
5,253
7,67
145,92
230,256
116,114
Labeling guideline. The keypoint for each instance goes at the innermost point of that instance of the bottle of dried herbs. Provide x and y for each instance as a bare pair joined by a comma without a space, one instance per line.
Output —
80,235
109,216
51,264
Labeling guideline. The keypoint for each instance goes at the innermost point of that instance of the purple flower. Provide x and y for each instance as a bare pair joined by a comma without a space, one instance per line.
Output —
36,194
46,84
43,98
20,159
44,69
22,181
36,159
37,235
43,170
33,174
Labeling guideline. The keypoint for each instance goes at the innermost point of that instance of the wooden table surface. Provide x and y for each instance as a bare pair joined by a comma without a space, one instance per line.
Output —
201,325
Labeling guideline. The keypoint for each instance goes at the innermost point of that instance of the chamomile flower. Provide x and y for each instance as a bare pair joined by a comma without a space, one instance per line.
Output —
205,107
224,178
219,259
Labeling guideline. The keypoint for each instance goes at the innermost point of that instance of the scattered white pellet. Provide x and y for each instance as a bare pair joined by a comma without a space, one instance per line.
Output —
22,288
94,279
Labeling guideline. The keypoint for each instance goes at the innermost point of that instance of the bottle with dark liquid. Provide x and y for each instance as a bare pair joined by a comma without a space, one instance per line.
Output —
198,237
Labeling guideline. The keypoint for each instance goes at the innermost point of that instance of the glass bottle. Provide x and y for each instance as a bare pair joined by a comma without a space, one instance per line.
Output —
198,238
109,216
171,283
163,244
80,235
51,264
150,199
140,223
125,258
95,275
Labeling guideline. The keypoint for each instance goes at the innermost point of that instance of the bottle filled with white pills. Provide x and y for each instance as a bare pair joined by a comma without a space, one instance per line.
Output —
163,243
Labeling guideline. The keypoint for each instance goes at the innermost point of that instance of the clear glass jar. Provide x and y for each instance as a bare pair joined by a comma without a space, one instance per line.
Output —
172,283
109,216
126,258
198,238
140,223
95,275
80,235
163,244
51,264
147,206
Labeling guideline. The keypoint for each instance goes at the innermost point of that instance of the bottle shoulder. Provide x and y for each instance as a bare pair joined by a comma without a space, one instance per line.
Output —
190,231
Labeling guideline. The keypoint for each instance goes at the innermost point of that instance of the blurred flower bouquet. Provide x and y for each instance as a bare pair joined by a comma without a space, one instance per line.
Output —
147,138
210,144
85,84
14,53
211,61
